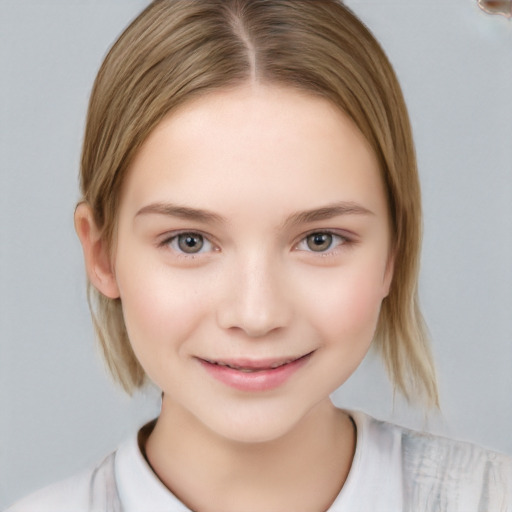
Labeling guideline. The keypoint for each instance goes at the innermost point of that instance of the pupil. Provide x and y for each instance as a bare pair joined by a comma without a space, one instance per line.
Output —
190,243
319,241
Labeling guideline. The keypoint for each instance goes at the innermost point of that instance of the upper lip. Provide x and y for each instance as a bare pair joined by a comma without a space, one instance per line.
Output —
254,364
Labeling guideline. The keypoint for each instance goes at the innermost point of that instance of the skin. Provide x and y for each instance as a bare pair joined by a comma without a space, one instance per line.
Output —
260,287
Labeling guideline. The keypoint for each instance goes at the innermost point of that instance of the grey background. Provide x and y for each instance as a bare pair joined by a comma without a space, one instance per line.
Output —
58,410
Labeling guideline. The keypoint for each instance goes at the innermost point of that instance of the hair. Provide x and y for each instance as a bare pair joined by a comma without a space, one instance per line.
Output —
176,50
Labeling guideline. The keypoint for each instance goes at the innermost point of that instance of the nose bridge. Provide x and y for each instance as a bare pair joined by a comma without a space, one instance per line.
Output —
255,300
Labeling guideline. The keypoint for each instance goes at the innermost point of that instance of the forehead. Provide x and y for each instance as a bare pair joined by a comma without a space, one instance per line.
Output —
260,145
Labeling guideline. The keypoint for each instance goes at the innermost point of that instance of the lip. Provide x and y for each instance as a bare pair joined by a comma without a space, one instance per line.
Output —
254,375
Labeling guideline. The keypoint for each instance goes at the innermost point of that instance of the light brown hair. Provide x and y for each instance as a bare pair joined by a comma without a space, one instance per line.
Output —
176,50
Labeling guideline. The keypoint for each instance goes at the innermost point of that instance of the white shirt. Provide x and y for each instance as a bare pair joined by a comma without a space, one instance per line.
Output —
394,469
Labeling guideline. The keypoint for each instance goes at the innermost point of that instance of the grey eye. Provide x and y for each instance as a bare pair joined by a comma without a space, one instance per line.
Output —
190,243
319,242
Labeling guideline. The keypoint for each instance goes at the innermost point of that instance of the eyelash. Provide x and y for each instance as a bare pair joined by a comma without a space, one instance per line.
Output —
343,241
172,241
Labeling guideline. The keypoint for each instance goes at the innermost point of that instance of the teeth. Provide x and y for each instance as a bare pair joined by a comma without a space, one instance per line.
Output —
277,365
241,369
273,366
251,370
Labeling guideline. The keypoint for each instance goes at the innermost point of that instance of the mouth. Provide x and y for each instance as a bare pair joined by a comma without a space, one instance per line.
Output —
254,375
246,366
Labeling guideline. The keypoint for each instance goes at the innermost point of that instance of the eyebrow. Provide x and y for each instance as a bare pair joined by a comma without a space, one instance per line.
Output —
182,212
303,217
327,212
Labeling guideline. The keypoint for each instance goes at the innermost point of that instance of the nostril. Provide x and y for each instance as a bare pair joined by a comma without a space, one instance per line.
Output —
255,299
252,321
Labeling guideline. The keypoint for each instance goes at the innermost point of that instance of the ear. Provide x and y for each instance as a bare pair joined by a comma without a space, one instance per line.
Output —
97,258
388,273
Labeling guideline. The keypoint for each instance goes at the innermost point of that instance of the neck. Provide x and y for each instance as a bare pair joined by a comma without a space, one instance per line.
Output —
302,470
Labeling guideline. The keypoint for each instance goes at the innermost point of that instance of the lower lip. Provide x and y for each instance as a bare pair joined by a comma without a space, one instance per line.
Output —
263,380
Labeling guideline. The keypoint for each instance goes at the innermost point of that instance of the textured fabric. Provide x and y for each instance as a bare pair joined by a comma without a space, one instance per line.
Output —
394,469
445,475
103,494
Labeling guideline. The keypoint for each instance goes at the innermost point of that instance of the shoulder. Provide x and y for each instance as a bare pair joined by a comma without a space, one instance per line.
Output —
69,494
88,491
454,470
439,473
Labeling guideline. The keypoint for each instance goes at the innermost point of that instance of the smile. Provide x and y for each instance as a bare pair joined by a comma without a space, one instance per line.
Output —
255,366
249,375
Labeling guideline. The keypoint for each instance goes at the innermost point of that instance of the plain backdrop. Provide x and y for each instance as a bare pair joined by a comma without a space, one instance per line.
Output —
59,411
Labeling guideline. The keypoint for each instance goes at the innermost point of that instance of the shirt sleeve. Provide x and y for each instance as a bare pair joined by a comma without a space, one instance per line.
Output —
91,491
445,475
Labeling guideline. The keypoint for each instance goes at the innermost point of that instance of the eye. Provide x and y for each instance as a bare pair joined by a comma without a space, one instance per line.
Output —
189,243
321,241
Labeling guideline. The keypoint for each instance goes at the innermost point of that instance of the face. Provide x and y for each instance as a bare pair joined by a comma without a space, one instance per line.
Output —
252,257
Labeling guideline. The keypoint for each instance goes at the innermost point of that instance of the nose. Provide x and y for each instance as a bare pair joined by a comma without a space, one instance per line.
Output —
256,299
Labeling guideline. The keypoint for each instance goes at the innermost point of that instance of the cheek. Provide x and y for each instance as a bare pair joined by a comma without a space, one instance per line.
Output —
347,306
160,311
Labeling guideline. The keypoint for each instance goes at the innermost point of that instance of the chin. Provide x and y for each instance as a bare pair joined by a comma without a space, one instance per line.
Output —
252,425
258,433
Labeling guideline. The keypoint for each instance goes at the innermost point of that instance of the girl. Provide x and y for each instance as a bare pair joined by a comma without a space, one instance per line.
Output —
251,224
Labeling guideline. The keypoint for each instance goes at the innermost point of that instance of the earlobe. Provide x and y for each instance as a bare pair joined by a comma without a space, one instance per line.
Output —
96,255
388,274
